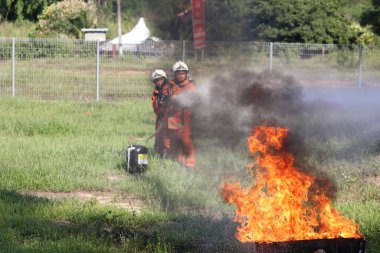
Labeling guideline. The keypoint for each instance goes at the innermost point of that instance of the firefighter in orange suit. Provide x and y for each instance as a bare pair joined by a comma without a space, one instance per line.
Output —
178,140
159,101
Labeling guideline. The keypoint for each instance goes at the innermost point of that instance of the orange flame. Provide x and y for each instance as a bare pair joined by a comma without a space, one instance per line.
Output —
280,205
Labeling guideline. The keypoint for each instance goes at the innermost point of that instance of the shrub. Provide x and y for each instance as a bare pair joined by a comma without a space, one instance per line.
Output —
66,18
362,35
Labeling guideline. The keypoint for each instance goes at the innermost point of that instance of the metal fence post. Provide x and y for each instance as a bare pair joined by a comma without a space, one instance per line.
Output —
360,66
97,72
270,57
184,50
13,67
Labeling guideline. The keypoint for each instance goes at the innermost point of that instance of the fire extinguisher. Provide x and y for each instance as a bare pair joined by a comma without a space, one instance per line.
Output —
137,159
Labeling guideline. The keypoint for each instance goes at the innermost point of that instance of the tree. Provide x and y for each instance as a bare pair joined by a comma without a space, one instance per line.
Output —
168,25
67,18
225,20
318,21
376,16
362,35
21,9
173,19
131,10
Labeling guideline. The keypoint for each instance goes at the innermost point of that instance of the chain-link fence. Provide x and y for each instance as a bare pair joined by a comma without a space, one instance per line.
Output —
81,70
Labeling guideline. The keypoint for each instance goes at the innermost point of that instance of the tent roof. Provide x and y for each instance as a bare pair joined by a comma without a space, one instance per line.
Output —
137,35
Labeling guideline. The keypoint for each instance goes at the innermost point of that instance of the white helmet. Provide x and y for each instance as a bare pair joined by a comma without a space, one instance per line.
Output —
179,65
158,73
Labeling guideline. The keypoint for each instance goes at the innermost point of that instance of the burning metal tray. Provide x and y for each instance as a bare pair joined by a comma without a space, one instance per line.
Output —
337,245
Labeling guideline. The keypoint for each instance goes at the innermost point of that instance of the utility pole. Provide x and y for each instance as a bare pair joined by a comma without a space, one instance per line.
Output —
119,26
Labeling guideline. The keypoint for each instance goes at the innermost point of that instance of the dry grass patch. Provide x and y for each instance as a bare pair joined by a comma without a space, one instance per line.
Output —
375,179
122,200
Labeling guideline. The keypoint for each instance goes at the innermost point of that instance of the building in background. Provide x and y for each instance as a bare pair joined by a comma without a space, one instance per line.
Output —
95,34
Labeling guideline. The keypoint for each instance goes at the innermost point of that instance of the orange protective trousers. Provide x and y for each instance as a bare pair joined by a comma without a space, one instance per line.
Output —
179,145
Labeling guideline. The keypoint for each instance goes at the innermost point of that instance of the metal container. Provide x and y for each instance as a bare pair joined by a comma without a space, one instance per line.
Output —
137,158
336,245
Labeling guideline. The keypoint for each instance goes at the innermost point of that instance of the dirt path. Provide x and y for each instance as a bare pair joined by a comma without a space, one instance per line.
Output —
120,199
106,198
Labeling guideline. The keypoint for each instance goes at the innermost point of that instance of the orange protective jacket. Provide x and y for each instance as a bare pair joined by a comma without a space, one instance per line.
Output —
157,103
159,108
179,116
178,141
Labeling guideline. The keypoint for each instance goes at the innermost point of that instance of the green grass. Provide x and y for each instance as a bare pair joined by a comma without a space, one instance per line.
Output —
75,146
16,29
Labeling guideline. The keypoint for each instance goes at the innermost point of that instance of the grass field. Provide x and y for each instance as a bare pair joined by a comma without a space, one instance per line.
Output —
54,153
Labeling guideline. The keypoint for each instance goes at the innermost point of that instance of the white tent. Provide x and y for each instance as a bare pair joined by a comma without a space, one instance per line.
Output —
138,41
137,35
131,40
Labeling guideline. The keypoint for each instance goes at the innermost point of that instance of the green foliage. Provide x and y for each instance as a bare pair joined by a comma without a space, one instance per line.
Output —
21,9
67,18
163,15
225,20
355,10
16,29
131,11
331,21
376,16
362,35
297,21
345,58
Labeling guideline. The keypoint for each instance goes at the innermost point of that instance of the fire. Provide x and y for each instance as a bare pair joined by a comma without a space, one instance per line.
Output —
281,205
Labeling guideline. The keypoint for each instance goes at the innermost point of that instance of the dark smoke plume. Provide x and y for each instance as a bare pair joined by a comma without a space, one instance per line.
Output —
337,124
228,106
